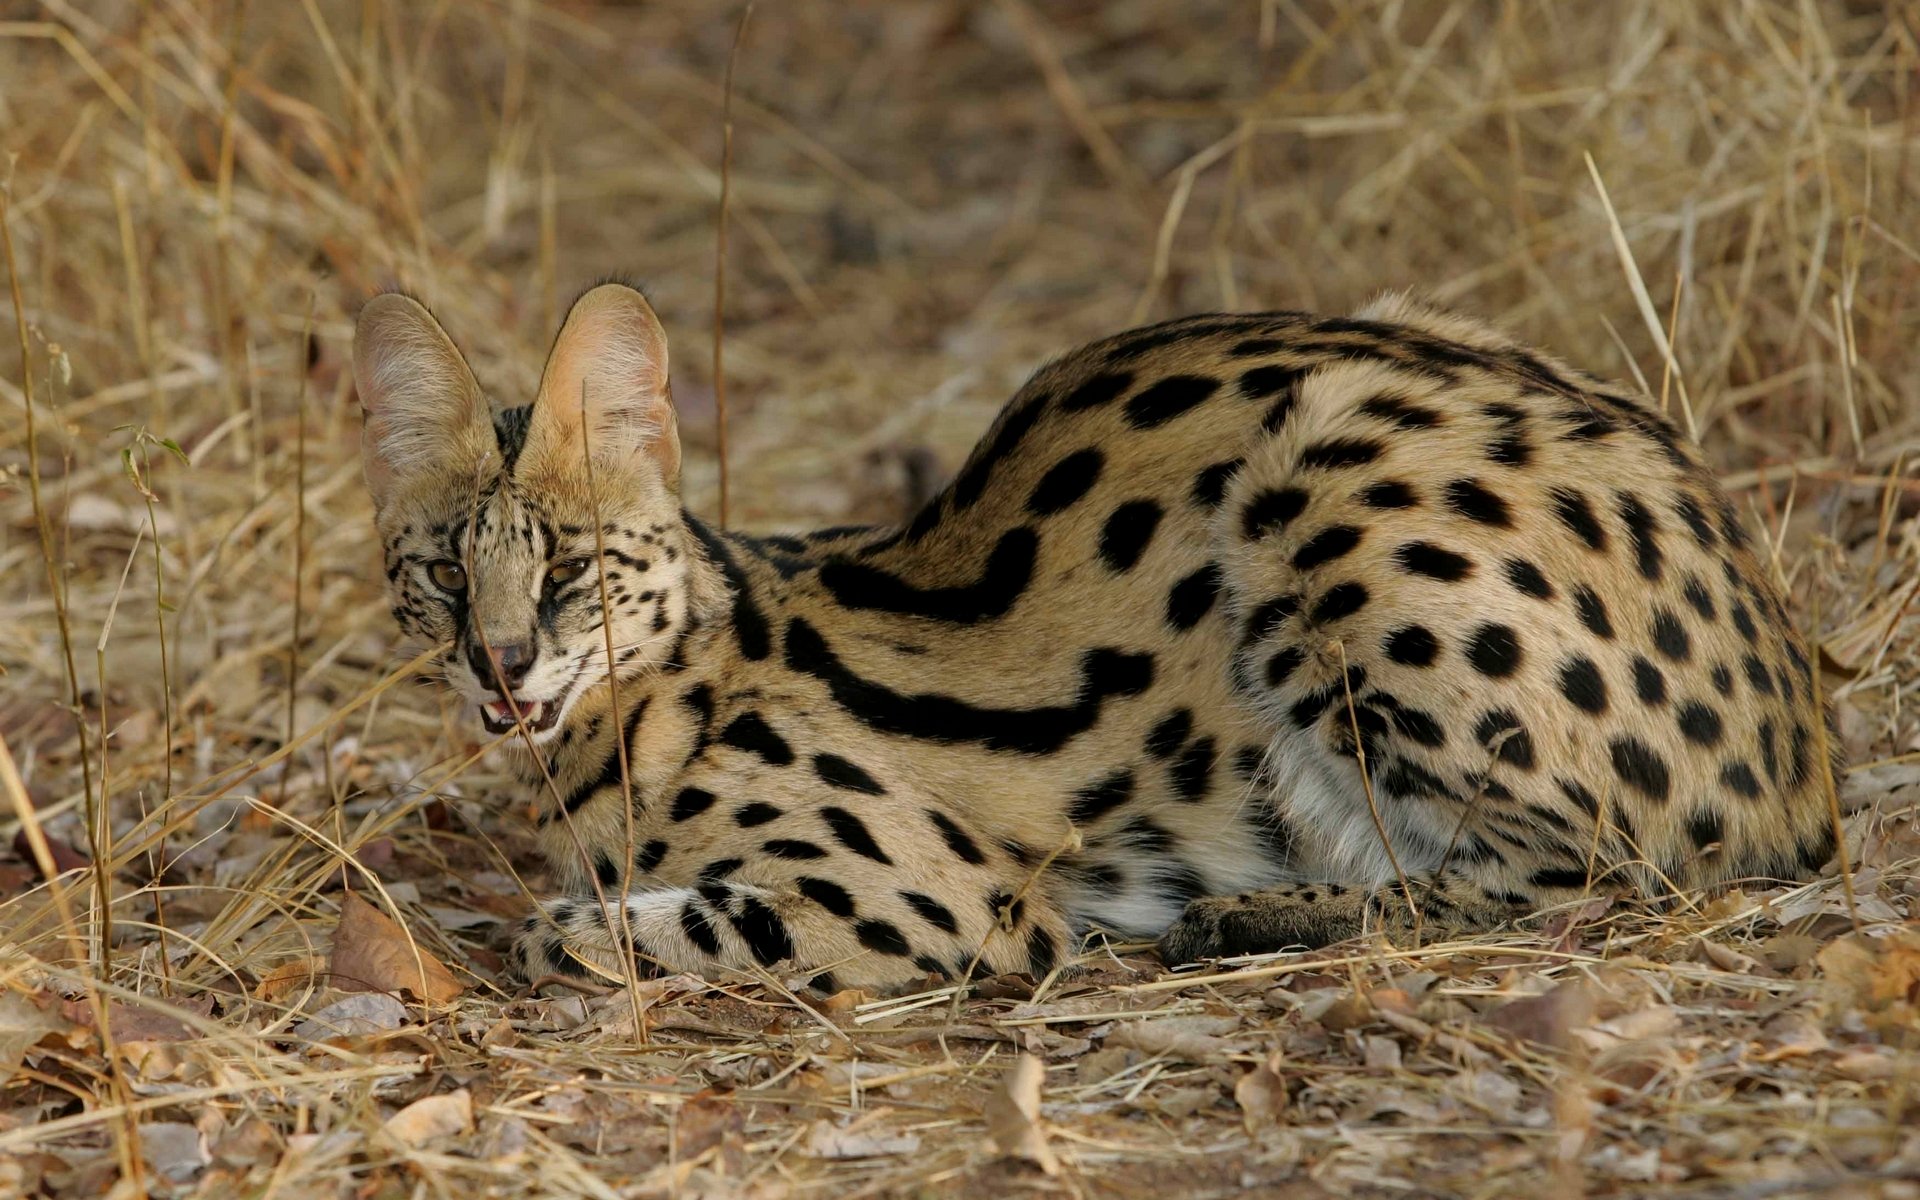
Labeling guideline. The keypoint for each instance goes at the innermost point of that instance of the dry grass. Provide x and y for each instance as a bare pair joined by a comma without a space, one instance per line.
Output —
927,198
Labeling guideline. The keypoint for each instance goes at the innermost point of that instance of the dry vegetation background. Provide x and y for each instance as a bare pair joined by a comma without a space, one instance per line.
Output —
928,198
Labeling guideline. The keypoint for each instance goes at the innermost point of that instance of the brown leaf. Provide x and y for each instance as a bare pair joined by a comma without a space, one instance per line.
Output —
845,1001
1195,1039
1874,973
24,1020
65,857
291,977
1548,1019
372,953
430,1117
1262,1094
1013,1116
128,1023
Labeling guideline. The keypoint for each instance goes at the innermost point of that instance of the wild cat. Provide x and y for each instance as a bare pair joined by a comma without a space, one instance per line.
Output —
1238,631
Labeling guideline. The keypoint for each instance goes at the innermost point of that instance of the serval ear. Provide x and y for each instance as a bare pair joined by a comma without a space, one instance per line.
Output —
424,412
608,367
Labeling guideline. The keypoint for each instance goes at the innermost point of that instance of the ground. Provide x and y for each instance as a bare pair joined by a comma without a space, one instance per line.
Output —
927,198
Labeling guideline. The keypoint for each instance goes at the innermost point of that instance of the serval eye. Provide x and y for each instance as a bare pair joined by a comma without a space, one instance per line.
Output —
448,576
567,571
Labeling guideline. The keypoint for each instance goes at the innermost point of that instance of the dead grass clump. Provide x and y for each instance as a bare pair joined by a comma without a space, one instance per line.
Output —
1715,199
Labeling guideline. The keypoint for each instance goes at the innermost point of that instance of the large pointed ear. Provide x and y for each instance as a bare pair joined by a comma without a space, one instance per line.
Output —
608,366
424,412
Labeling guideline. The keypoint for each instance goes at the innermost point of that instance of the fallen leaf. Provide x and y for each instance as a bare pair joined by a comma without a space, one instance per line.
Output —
1873,973
22,1024
290,977
845,1001
431,1117
1381,1053
65,857
827,1140
131,1023
1548,1019
1261,1094
372,952
1013,1116
356,1016
175,1149
1192,1038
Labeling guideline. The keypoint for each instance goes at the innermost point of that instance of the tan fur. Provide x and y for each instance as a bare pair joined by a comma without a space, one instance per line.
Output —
885,754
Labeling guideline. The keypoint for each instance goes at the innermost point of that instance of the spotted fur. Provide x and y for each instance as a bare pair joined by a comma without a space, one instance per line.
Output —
1213,604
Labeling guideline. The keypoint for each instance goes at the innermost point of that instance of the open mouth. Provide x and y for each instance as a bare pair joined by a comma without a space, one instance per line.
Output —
539,715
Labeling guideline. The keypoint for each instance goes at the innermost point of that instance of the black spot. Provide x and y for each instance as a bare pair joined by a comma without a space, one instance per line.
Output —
750,732
1012,428
748,623
1501,732
933,966
1722,679
1648,683
852,833
1640,767
1510,450
937,716
835,771
1170,733
1193,597
1494,650
1559,877
793,849
1281,666
1581,684
1592,612
1101,797
693,923
719,869
883,936
1388,493
1526,577
963,847
1335,453
1700,723
1640,527
691,802
1268,617
1418,726
1731,529
1425,558
1577,515
1340,600
1191,774
1066,482
1757,675
1270,510
1095,392
1696,520
1005,910
1769,753
648,856
763,931
931,911
1210,485
1476,503
1154,406
756,813
1262,382
1698,596
1581,797
827,894
1743,621
1126,533
1412,646
605,869
1738,777
1704,827
1041,952
1009,567
1397,411
1327,545
1669,636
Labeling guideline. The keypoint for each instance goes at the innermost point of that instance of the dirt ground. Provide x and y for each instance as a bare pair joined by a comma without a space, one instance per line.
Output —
248,796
